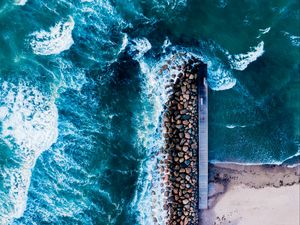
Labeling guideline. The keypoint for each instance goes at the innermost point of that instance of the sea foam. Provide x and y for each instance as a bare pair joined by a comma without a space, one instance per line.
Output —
149,197
294,40
124,43
56,40
139,47
219,75
263,31
241,61
165,4
219,78
166,44
20,2
29,127
232,126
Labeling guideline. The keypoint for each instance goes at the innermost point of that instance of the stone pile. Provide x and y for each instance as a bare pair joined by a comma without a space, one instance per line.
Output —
180,123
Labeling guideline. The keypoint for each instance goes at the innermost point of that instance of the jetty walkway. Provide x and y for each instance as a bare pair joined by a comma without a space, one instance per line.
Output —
203,137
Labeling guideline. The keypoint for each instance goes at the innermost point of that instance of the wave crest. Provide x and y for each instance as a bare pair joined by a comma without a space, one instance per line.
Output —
219,78
29,127
139,47
241,61
57,40
20,2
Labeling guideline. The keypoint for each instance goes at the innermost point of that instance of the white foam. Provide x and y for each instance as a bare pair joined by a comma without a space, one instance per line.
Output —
245,163
124,43
277,163
274,162
231,126
3,112
20,2
292,156
58,39
28,128
295,40
166,44
139,47
165,4
71,76
263,31
241,61
147,204
219,77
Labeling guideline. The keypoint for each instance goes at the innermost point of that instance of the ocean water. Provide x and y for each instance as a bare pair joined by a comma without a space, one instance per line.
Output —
81,98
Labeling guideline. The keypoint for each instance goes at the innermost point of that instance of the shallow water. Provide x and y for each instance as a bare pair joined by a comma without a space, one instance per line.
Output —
81,99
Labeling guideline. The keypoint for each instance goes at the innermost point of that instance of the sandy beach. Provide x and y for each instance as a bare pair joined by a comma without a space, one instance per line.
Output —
253,195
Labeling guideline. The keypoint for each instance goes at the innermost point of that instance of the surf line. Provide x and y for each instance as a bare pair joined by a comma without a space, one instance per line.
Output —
181,123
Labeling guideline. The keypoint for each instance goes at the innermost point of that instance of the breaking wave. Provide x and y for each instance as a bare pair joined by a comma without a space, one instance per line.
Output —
219,75
124,43
29,127
57,40
241,61
148,200
139,47
74,182
20,2
263,31
219,78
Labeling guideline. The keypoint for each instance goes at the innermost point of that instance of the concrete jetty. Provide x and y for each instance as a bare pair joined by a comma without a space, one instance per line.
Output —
203,137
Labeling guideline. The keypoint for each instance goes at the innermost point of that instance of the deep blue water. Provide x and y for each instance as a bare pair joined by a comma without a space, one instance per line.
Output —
81,98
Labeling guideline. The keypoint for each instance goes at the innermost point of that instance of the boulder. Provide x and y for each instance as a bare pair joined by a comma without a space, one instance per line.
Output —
185,201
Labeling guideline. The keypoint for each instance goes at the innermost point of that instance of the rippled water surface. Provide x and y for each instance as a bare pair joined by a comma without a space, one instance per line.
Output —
81,98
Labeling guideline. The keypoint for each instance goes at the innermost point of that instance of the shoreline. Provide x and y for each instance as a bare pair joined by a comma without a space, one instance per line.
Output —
285,162
256,176
217,162
252,194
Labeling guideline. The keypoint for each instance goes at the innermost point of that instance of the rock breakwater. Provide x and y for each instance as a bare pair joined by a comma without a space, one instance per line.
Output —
180,123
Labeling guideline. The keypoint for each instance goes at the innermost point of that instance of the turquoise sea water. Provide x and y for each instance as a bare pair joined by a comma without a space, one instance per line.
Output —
81,99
